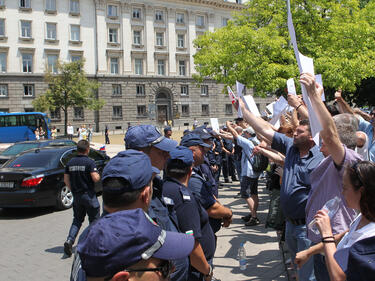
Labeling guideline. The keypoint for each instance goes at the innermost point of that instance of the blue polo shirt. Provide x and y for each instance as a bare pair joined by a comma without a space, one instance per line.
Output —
368,129
296,183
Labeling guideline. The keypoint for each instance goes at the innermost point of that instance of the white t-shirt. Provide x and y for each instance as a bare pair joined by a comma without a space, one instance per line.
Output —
70,130
352,236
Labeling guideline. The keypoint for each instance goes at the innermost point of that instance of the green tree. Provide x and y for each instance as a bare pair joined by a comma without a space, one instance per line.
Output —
67,89
255,47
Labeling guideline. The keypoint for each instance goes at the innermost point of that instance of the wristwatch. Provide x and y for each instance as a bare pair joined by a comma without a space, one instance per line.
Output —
210,271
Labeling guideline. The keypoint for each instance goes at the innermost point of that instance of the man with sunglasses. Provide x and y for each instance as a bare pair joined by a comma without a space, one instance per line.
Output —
149,140
129,245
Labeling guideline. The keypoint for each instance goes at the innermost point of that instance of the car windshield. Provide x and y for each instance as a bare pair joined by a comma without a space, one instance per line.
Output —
34,159
18,148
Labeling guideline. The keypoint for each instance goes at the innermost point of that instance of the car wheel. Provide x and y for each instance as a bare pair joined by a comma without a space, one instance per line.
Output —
64,198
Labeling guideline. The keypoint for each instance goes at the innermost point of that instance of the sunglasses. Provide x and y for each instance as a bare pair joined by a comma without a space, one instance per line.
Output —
372,113
165,268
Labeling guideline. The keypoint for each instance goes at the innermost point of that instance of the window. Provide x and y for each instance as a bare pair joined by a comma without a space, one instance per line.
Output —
50,5
180,18
199,21
26,4
159,39
75,33
140,90
204,90
112,11
25,29
76,58
138,65
4,109
29,109
224,21
228,109
141,110
2,27
51,31
116,90
117,112
136,13
3,90
181,67
27,63
52,63
159,15
184,90
137,37
205,109
185,111
161,67
28,90
180,40
112,35
3,62
114,66
74,6
55,114
78,113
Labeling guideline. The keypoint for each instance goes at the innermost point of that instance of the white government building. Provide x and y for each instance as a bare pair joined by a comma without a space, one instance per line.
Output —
140,51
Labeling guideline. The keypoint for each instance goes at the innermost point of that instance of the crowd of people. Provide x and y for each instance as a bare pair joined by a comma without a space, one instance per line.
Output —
161,202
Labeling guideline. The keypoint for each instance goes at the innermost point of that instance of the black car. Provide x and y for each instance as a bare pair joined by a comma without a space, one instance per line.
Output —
18,147
35,178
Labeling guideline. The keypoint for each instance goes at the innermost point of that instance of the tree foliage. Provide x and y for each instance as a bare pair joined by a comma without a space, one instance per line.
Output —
255,47
69,88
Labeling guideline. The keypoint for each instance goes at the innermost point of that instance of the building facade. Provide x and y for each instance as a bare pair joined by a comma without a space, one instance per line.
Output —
140,51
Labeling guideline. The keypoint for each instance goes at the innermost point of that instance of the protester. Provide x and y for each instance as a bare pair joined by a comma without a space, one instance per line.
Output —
70,131
80,177
359,193
302,156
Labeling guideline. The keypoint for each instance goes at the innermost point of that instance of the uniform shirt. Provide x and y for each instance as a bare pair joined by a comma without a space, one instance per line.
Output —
79,170
296,183
326,183
192,217
247,151
366,127
198,186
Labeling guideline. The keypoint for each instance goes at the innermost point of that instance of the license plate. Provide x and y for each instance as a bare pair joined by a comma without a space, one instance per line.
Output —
6,184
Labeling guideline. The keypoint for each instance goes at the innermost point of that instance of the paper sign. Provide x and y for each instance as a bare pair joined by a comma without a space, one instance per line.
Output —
232,96
240,87
291,86
319,80
279,106
251,105
270,107
215,124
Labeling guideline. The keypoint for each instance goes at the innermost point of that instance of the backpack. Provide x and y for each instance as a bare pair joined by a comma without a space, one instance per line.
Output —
259,162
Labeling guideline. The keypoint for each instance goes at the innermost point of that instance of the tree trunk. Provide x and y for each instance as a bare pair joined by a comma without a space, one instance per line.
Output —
66,114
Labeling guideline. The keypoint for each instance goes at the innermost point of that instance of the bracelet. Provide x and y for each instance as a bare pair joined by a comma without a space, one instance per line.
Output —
328,241
323,238
298,106
209,272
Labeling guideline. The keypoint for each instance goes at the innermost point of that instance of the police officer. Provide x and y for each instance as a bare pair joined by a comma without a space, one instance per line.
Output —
192,217
148,139
198,182
80,177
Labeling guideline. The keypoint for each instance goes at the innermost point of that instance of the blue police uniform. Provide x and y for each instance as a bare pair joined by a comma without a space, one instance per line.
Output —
192,217
218,150
85,202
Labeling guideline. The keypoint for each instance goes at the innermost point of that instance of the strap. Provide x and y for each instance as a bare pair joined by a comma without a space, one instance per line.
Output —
157,245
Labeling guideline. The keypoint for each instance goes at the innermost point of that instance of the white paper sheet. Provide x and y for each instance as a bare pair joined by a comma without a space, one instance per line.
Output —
270,107
251,105
215,124
291,86
240,87
319,80
279,106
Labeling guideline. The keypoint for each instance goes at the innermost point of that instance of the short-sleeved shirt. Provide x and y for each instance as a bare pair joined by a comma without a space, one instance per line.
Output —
79,170
192,217
296,183
326,183
197,185
247,151
367,128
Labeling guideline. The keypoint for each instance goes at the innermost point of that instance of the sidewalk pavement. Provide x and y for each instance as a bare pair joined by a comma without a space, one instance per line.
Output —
264,258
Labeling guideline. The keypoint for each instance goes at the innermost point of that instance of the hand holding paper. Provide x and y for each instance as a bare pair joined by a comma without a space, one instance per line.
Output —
313,88
293,100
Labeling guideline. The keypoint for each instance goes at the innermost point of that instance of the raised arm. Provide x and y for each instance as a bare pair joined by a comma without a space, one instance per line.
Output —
258,124
329,133
298,105
344,107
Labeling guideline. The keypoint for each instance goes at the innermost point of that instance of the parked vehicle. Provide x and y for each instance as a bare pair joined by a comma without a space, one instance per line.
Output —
19,147
21,126
35,178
